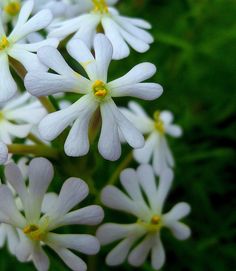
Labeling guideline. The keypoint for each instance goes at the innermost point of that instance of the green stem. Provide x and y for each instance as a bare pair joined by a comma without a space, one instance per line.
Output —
122,166
47,104
19,69
38,150
35,139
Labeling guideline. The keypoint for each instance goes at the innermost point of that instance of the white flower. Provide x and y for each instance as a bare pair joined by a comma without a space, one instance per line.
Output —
18,116
156,146
36,229
9,234
3,153
67,8
97,93
76,7
11,47
58,8
10,9
142,236
120,30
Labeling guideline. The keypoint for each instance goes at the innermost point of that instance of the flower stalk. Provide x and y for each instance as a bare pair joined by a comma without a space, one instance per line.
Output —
37,150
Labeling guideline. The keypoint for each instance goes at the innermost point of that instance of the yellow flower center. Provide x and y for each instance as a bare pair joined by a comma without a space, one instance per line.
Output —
12,8
100,6
99,89
34,232
159,124
154,225
4,43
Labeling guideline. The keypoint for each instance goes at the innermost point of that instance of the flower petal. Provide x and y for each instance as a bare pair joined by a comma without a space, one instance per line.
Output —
118,254
180,230
35,23
129,181
137,74
24,248
70,259
103,55
77,142
8,86
9,209
111,232
28,59
90,215
43,84
40,259
40,176
73,191
109,142
131,134
60,120
84,243
143,155
15,178
3,153
145,91
52,58
120,48
116,199
158,254
179,211
166,180
81,53
147,181
140,253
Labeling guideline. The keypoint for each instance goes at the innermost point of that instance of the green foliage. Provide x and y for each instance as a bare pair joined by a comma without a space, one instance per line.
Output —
194,51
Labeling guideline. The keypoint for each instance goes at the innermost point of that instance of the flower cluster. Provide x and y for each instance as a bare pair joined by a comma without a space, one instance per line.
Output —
57,101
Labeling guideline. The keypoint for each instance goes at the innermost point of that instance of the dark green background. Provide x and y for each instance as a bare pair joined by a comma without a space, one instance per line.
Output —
194,51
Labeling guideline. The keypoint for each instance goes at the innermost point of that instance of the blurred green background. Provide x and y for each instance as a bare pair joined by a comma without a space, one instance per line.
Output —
194,51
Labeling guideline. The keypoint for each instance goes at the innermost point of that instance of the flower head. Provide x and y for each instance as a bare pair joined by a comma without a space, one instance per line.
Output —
156,129
36,227
10,9
142,236
18,116
12,47
121,31
97,92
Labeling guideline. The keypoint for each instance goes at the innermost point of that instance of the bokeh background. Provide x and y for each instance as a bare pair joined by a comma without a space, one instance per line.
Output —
194,52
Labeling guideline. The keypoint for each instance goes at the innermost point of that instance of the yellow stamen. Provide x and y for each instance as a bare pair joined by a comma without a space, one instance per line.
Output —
159,124
99,89
34,232
4,43
155,220
30,229
100,6
153,226
12,8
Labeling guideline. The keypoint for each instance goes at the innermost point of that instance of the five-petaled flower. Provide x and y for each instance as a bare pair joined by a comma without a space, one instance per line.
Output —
120,30
11,47
97,93
19,116
156,129
150,218
36,229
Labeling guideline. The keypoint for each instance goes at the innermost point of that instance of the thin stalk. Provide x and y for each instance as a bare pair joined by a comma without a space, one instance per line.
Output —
35,139
47,104
128,159
38,150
